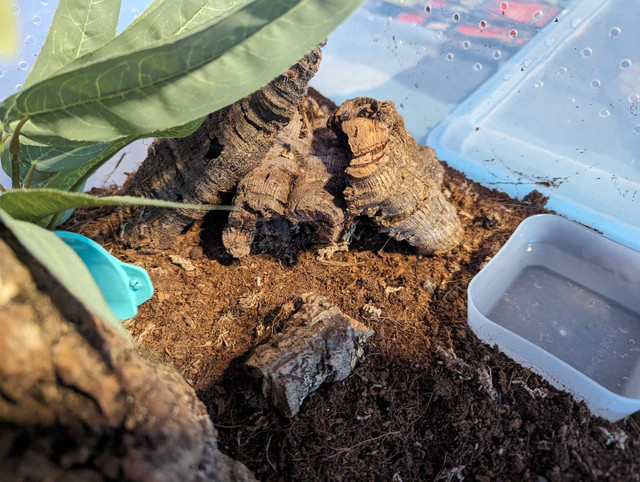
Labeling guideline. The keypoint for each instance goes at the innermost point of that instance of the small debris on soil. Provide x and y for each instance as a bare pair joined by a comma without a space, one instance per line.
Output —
320,345
429,286
184,263
371,311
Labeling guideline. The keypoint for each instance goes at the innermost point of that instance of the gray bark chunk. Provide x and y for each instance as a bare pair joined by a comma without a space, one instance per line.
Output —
320,345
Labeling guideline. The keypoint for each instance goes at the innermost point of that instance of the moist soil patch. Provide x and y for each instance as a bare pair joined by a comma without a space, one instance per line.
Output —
428,402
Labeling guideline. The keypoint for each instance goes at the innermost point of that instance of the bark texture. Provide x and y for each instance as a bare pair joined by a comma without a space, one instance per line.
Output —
299,182
392,179
329,167
320,345
204,166
77,402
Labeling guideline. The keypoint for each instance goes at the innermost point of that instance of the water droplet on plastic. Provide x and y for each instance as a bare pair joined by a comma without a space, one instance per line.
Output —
537,15
537,285
586,53
563,332
483,24
572,100
439,34
575,22
36,20
506,76
1,73
513,33
604,113
466,45
615,32
624,355
595,83
632,341
477,66
497,54
633,98
549,42
18,87
636,129
44,3
449,57
29,40
562,71
526,63
504,6
455,17
625,64
22,65
427,8
16,9
539,84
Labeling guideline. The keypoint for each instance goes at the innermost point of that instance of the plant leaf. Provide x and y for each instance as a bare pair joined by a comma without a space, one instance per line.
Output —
35,204
55,158
63,264
78,28
8,34
165,19
179,79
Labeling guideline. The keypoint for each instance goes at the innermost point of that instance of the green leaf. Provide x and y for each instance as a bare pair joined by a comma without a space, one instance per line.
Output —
8,34
56,158
63,264
179,79
35,204
165,19
78,28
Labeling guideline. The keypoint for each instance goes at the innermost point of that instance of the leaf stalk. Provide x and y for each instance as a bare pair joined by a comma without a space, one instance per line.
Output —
14,149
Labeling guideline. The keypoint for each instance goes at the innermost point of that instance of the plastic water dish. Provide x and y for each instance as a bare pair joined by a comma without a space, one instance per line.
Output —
564,301
124,286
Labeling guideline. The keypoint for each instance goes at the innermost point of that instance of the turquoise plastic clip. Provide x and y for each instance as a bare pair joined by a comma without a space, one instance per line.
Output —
124,286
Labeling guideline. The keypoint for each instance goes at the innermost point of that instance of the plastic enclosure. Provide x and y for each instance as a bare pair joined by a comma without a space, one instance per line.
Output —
562,117
124,286
564,301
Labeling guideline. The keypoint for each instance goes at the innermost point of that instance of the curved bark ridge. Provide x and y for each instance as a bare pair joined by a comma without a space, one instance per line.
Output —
331,166
393,180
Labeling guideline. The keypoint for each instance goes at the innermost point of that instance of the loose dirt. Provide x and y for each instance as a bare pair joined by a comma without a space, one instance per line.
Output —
429,401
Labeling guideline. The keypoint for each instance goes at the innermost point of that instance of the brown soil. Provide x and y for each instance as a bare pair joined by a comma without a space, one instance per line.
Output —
429,401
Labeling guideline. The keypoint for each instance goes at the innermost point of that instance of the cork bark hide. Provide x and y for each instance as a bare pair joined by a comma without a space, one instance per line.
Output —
329,167
204,166
78,402
303,172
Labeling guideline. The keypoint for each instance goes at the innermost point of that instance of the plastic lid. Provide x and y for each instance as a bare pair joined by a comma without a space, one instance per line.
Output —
562,117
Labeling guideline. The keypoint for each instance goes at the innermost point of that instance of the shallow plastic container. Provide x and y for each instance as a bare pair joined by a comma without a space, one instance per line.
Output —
564,301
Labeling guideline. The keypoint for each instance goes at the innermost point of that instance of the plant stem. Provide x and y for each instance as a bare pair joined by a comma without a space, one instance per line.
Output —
54,220
96,166
27,181
14,149
2,188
